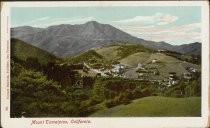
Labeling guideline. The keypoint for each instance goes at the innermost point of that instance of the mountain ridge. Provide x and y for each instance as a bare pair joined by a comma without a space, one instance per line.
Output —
66,39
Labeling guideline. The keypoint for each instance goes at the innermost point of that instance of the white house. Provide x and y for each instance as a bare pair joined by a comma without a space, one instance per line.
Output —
154,60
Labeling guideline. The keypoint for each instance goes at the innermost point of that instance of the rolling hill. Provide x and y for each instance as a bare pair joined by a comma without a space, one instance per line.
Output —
128,54
145,56
65,39
22,51
155,107
134,59
132,54
85,56
109,53
119,51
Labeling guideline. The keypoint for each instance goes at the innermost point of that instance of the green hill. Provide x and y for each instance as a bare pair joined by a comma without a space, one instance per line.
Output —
23,51
155,107
133,54
85,56
120,51
136,58
109,53
165,64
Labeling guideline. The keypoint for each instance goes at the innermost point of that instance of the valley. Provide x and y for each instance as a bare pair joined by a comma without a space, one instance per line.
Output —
100,79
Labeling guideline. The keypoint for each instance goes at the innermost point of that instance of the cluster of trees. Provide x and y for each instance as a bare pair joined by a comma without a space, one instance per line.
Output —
185,89
195,59
115,91
33,93
47,90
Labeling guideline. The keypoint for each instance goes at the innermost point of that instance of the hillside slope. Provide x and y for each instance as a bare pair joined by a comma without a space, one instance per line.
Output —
155,107
23,51
131,54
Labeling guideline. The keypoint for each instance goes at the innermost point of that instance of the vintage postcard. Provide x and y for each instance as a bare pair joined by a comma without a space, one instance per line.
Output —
100,64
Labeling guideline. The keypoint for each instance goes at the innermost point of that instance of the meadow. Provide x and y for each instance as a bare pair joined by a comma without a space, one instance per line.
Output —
155,106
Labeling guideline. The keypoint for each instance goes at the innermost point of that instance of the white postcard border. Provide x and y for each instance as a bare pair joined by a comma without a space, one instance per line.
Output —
133,122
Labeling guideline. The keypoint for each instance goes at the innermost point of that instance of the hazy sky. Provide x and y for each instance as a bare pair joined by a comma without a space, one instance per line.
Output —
175,25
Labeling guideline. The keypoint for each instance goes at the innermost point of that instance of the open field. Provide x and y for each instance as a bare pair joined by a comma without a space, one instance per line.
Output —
136,58
108,52
155,107
165,64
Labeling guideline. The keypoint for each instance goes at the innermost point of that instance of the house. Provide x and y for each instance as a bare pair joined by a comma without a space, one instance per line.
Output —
169,82
143,74
154,60
192,70
172,79
117,68
161,50
153,70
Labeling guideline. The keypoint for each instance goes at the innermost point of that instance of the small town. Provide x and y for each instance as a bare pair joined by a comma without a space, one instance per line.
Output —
141,72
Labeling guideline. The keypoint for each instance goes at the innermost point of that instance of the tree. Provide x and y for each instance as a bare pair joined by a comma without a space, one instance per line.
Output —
99,91
33,93
193,88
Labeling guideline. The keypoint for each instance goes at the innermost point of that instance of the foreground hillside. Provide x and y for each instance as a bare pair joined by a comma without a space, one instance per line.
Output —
155,107
23,51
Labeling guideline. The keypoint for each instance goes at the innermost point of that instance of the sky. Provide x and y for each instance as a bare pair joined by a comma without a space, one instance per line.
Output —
175,24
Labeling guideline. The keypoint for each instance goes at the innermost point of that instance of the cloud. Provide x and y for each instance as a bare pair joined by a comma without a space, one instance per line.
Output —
157,30
190,32
187,27
57,21
179,35
48,21
156,19
165,18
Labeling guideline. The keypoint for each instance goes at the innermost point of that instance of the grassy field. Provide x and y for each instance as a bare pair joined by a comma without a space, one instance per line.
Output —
136,58
85,56
155,107
108,52
165,63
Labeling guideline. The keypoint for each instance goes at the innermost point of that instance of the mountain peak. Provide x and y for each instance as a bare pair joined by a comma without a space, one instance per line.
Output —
95,23
92,22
